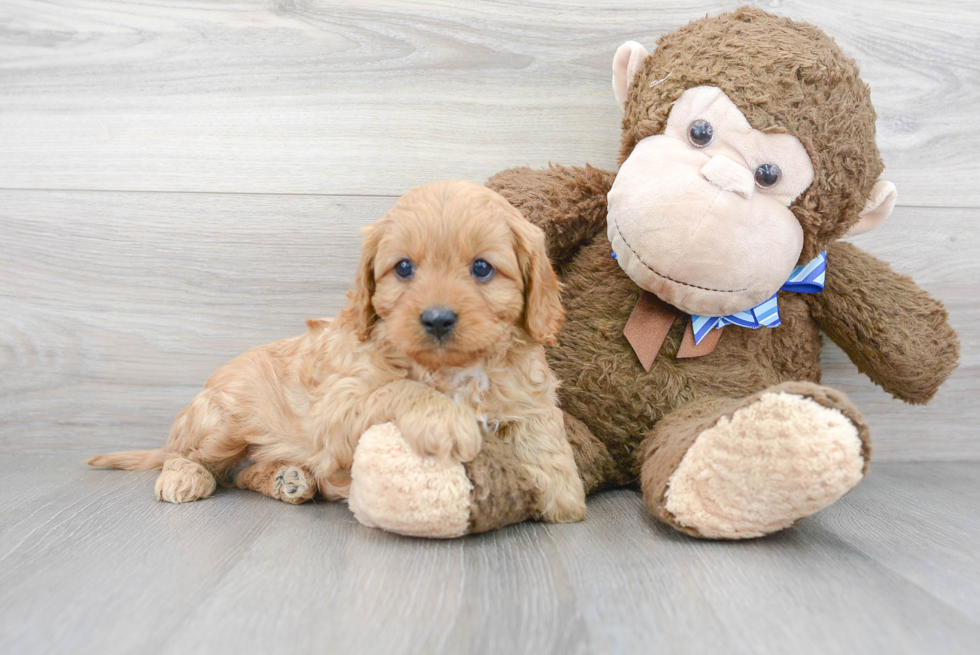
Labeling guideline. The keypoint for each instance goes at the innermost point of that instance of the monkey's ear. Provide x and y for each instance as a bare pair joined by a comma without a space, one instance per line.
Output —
627,61
879,207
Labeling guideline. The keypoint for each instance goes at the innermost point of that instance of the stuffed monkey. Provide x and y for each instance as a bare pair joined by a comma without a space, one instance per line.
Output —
697,280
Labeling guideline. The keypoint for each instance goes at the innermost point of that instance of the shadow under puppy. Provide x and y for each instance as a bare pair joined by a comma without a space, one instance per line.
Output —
438,356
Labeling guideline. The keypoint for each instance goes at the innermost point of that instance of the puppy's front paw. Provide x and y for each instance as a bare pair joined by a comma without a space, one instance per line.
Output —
562,492
442,429
396,489
564,506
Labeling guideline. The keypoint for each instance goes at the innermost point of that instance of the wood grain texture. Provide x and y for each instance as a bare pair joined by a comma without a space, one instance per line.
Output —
115,317
919,520
355,97
91,563
119,306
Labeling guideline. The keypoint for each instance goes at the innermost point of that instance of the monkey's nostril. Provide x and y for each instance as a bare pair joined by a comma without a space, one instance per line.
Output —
438,321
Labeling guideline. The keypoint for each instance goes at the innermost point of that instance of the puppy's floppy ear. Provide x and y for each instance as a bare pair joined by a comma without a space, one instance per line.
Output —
359,297
543,313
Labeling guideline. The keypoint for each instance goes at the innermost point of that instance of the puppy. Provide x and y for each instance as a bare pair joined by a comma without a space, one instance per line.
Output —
442,335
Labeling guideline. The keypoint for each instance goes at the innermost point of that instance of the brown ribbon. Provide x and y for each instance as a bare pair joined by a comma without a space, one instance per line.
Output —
649,324
706,347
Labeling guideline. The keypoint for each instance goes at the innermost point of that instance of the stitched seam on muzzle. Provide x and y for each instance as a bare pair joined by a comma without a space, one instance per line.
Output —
669,279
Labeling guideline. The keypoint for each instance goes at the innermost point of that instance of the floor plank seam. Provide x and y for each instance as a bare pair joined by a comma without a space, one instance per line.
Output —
313,194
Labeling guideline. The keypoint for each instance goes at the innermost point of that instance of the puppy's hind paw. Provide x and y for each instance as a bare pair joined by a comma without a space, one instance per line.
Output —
396,489
183,480
293,484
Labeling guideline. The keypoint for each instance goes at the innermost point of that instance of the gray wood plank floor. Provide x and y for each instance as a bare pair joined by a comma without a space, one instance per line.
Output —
90,562
181,181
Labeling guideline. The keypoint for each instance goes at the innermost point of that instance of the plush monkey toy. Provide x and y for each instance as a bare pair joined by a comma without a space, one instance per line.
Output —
697,280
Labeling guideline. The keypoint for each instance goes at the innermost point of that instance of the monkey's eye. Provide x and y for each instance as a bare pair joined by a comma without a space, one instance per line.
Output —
767,175
482,270
404,269
701,133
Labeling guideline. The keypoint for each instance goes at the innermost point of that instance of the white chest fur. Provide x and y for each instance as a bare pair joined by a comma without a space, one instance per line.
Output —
467,386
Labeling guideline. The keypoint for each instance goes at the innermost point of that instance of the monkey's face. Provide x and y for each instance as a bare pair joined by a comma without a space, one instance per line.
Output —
699,216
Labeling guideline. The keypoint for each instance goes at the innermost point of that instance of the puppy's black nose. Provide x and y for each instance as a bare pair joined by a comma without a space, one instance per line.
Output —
438,321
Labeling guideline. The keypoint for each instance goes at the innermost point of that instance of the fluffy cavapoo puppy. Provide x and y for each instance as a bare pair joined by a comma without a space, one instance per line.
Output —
441,337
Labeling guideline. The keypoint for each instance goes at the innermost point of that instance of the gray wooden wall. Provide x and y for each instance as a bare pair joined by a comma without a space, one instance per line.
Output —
180,181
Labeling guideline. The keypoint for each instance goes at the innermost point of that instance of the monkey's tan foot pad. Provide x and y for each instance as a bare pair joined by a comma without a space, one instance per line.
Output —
396,489
763,468
183,480
293,484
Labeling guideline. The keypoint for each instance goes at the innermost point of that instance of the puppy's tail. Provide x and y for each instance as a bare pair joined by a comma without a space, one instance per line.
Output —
130,460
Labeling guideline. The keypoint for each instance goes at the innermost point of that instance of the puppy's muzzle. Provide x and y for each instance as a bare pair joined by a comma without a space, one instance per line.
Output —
439,321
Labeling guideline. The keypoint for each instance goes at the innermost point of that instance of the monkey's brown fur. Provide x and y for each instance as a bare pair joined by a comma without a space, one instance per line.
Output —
785,77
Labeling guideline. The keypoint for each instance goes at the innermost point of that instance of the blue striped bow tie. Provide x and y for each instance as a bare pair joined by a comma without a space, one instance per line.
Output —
808,278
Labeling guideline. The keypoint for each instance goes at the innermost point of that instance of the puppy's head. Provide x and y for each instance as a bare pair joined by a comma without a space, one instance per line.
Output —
452,270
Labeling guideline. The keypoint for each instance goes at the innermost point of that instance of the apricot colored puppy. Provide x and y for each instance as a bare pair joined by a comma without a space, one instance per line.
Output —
442,336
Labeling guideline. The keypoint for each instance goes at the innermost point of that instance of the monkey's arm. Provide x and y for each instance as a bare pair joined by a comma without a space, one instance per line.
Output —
568,203
894,332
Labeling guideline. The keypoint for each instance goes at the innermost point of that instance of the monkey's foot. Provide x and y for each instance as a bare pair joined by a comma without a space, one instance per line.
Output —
396,489
785,454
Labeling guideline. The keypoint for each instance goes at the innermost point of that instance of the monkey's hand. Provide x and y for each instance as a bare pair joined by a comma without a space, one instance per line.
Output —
568,203
894,332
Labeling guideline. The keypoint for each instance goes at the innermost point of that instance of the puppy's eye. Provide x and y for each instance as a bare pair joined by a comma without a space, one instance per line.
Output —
404,269
482,270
